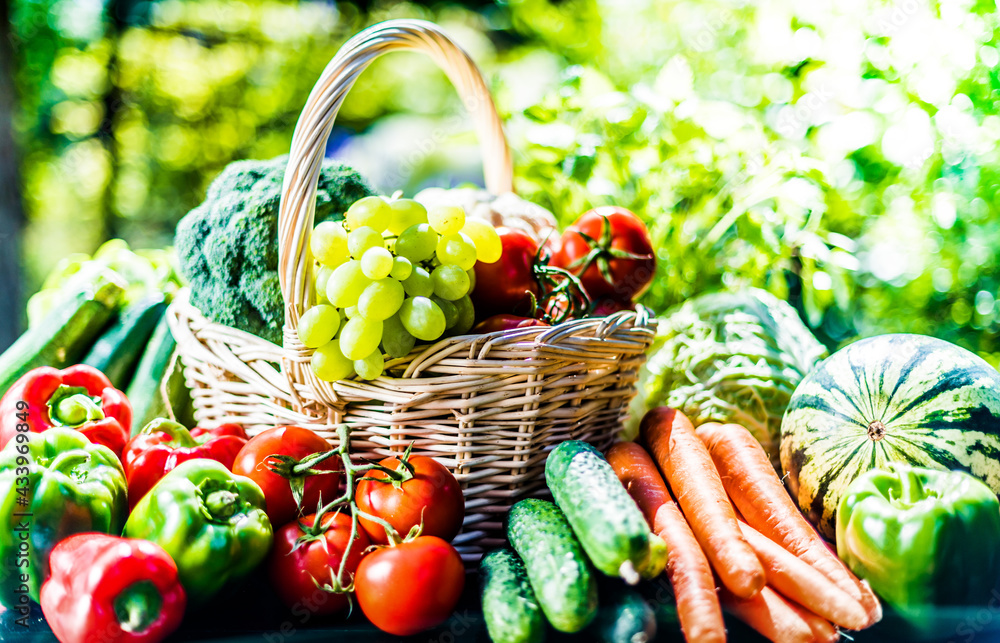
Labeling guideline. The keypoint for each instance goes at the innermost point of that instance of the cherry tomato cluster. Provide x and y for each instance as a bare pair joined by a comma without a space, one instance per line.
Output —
601,264
385,538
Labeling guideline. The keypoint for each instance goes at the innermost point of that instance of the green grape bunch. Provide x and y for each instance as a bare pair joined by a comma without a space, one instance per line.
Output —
392,273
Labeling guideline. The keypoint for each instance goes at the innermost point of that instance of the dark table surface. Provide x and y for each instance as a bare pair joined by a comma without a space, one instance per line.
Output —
251,613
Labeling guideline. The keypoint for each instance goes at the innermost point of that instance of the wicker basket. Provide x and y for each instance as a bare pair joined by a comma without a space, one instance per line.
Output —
489,407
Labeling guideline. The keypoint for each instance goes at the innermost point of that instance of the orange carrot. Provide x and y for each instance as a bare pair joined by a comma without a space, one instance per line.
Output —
639,475
823,630
804,584
688,467
760,496
771,615
690,575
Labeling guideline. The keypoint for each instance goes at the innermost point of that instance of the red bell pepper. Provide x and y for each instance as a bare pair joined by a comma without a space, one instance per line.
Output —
107,589
164,444
79,397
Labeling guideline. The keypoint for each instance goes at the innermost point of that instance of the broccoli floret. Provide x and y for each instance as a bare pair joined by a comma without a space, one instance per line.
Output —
228,245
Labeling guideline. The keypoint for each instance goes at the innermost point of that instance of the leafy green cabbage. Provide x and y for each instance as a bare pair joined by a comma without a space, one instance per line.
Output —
728,357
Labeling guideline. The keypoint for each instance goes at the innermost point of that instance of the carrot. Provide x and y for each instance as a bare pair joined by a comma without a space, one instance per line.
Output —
771,615
639,475
761,497
823,631
687,568
688,467
804,584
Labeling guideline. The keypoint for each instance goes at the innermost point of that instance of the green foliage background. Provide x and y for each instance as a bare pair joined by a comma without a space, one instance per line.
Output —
841,154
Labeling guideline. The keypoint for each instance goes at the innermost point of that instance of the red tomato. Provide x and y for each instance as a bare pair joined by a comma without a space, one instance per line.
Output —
411,587
295,442
550,246
295,574
432,492
606,307
506,322
557,306
629,277
503,286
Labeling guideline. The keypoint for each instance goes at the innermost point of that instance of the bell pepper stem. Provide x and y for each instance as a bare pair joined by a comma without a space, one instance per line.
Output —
138,606
67,460
911,490
72,406
221,504
78,409
178,433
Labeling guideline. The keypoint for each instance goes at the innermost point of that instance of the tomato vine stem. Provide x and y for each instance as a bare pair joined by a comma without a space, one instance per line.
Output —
303,468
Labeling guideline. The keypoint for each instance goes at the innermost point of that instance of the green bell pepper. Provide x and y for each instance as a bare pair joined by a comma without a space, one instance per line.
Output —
921,537
52,485
210,521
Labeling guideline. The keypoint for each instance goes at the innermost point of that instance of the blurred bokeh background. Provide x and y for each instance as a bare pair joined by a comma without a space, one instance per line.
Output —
840,153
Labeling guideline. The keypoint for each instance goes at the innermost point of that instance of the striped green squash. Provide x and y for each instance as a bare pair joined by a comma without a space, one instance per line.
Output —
906,398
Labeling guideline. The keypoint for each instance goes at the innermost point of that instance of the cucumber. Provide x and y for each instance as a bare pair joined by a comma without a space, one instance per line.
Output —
63,336
158,388
116,352
560,575
659,595
176,394
607,521
656,562
624,617
510,609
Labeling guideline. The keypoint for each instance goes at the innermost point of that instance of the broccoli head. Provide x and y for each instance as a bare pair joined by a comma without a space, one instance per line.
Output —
228,245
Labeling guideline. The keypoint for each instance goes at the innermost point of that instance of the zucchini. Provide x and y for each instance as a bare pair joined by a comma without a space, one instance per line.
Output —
624,617
560,575
607,521
158,388
63,336
116,352
510,609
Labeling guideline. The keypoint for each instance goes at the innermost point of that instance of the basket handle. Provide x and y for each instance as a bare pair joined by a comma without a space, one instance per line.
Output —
298,197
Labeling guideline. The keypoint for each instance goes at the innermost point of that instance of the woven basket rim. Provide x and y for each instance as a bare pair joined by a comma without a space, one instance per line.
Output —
641,320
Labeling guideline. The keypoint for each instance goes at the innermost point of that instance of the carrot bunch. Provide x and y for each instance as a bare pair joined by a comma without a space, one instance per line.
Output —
735,537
